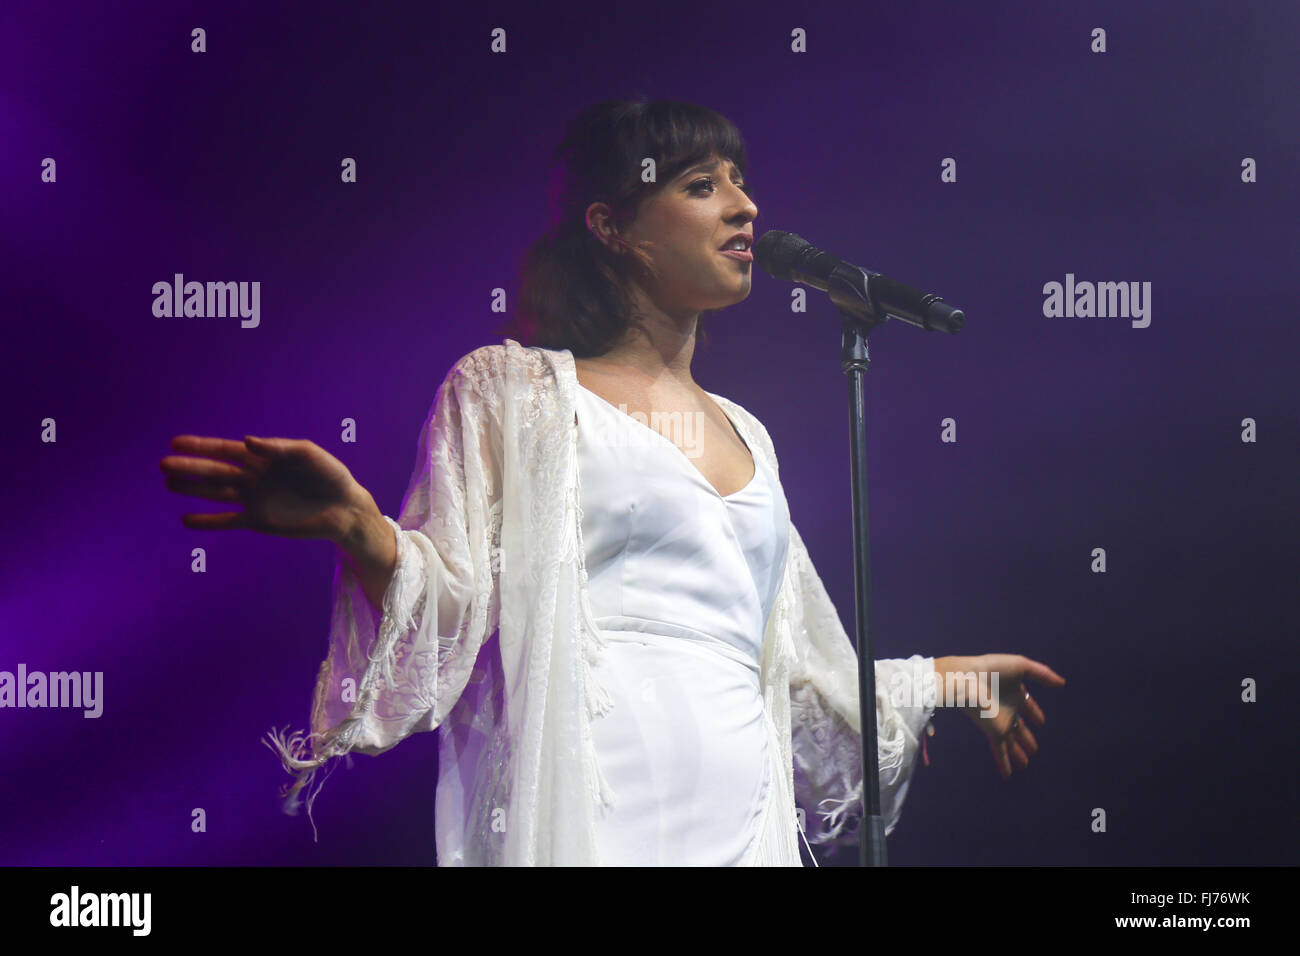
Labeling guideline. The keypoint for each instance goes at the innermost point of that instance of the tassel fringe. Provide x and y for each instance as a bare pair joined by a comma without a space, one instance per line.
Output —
835,814
293,753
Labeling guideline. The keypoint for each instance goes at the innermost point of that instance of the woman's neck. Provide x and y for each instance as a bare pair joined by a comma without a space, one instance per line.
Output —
656,346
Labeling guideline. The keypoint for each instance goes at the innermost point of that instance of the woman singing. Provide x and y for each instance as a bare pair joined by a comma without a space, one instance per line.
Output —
593,588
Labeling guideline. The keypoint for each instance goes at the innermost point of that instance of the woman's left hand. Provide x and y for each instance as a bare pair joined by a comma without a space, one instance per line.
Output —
1007,727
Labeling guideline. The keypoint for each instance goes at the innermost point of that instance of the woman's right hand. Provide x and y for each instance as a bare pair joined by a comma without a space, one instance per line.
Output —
288,487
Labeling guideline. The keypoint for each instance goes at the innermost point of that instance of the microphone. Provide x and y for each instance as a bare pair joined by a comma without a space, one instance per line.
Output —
867,294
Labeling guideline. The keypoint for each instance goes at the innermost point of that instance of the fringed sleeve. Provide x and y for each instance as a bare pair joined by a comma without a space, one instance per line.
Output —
391,674
825,722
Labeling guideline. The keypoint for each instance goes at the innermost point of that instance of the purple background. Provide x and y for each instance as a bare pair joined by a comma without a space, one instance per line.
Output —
1073,433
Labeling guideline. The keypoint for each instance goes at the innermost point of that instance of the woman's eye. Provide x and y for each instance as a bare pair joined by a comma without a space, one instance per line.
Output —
700,183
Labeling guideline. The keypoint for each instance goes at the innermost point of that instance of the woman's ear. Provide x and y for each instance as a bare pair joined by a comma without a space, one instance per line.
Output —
600,223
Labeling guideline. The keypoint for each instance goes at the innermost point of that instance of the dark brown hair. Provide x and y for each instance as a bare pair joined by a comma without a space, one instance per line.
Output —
573,289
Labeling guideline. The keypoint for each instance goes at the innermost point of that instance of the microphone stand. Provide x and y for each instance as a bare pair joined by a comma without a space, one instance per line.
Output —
848,291
861,297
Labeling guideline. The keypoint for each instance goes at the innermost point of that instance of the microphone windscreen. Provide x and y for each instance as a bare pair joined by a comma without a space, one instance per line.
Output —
777,253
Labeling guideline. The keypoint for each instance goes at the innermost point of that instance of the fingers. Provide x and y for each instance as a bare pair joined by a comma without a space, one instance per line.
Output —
1018,755
1031,710
220,448
1018,743
216,522
1024,737
179,466
1040,672
999,747
215,477
270,446
1015,746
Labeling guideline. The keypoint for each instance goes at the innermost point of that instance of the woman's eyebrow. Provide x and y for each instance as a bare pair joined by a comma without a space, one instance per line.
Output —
705,168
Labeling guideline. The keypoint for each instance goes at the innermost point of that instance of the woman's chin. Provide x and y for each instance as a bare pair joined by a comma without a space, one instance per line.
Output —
743,294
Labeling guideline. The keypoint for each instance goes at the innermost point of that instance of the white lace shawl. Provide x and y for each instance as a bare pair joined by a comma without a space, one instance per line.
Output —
487,634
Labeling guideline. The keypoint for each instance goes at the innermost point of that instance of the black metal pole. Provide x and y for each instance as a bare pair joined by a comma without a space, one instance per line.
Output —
851,289
855,360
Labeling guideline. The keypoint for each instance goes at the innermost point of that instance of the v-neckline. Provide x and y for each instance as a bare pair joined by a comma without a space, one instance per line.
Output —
753,459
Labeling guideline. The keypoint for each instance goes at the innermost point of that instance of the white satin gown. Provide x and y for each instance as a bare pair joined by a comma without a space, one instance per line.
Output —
681,581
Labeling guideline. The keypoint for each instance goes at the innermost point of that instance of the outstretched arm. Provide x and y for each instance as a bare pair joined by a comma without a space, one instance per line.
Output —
399,658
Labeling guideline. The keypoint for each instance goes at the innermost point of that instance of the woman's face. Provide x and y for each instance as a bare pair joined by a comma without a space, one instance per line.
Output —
683,227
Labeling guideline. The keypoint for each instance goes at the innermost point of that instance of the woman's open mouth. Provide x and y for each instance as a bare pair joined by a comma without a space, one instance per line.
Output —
745,256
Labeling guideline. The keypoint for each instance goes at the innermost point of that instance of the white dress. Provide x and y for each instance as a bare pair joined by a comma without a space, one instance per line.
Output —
681,581
486,634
